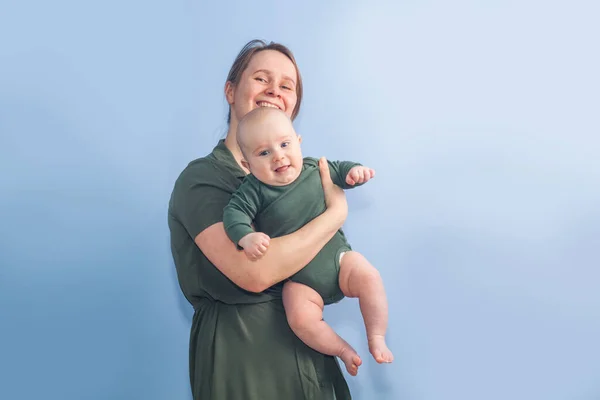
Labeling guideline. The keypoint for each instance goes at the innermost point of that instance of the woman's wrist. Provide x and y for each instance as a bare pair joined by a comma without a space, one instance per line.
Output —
337,216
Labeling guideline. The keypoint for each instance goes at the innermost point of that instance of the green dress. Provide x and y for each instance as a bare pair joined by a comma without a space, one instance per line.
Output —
241,346
281,210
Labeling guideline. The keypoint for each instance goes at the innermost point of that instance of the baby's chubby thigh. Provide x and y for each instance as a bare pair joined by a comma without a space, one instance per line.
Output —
303,305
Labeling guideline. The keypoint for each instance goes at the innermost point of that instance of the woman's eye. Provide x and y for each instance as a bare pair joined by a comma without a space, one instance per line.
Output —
260,79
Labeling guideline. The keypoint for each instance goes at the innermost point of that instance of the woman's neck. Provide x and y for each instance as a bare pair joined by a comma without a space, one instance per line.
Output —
234,148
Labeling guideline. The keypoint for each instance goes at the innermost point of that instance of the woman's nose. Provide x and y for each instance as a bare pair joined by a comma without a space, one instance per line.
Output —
273,90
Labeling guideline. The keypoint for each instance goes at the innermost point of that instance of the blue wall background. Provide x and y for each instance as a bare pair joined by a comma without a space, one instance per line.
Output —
481,119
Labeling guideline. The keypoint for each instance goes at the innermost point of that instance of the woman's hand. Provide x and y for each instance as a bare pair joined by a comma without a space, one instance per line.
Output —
335,198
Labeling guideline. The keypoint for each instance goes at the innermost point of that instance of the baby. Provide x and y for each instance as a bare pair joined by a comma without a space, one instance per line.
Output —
284,192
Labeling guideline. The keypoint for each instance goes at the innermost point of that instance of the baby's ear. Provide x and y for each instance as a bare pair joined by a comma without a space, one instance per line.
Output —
245,164
299,138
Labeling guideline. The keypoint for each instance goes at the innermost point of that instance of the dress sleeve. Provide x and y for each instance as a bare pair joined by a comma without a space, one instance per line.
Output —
241,210
200,194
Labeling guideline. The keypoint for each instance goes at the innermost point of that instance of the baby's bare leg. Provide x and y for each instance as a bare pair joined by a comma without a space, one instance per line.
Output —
358,278
304,310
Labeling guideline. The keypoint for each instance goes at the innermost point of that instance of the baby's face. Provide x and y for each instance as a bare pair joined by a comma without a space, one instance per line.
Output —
273,152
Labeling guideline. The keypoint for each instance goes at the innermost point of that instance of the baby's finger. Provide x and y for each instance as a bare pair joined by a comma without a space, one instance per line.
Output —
357,176
361,175
353,176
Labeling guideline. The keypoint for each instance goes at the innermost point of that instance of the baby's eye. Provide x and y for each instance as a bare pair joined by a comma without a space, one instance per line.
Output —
264,153
285,144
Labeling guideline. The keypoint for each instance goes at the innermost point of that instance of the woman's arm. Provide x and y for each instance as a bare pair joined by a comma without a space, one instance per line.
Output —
287,254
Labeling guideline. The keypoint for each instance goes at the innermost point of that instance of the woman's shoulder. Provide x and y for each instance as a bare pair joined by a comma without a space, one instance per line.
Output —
201,164
217,166
202,180
211,178
204,169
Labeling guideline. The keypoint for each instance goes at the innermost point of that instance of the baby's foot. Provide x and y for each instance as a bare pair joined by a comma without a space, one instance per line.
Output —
351,359
379,349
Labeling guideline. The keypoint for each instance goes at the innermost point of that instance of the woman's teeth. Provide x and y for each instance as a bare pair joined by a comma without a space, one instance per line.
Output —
264,104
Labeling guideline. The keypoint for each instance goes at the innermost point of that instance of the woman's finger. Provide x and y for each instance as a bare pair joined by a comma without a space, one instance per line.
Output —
324,170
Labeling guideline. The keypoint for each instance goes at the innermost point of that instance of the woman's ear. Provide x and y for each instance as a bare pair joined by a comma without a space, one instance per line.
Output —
229,92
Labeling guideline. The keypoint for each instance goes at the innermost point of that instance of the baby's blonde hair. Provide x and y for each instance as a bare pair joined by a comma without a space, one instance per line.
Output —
253,119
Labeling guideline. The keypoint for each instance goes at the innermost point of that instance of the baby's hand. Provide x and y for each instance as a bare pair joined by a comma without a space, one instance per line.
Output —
359,175
255,245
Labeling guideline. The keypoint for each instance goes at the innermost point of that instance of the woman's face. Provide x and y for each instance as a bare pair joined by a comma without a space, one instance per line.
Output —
268,81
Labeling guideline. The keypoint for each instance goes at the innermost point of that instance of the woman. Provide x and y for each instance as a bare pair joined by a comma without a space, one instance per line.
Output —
241,346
